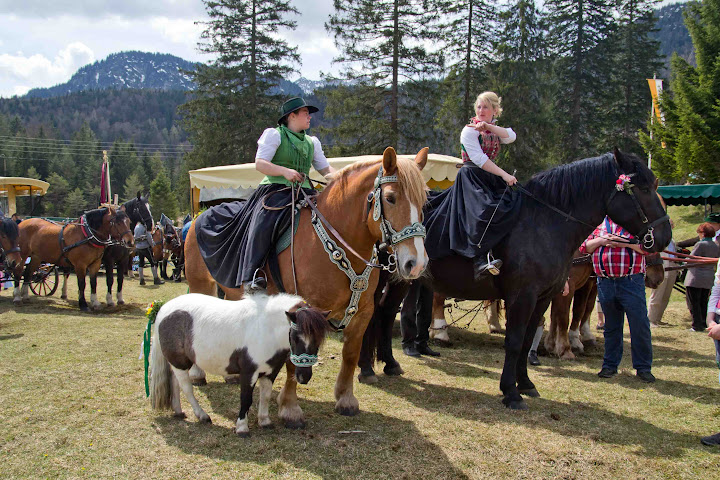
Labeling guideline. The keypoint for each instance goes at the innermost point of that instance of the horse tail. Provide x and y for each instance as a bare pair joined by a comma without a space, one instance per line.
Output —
160,378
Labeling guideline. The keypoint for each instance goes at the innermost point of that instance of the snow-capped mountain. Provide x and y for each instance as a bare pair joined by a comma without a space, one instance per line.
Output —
139,70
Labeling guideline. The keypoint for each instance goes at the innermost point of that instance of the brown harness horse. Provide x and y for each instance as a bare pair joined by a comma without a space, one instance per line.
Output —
78,245
349,203
583,291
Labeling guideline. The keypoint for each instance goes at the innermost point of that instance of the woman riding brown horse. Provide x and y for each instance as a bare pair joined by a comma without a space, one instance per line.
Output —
78,245
349,204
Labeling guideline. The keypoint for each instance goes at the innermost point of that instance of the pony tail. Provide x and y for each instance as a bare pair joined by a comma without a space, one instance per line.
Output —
160,377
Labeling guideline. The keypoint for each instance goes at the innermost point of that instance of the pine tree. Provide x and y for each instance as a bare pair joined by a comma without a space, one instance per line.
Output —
132,186
523,77
692,118
382,46
578,34
636,60
163,198
469,36
56,196
232,103
75,204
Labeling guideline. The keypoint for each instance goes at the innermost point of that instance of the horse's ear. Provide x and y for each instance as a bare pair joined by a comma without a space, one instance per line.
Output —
138,195
421,158
624,164
389,161
291,316
326,313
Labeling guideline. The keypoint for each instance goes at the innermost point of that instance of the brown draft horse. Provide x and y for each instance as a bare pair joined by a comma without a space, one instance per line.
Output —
583,291
10,248
78,245
345,204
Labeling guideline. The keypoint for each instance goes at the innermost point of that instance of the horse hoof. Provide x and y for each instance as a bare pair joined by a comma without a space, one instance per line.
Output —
348,411
515,404
199,382
269,426
442,343
368,379
295,424
63,297
180,415
568,355
84,308
394,371
205,419
232,379
121,302
530,392
17,303
243,434
499,331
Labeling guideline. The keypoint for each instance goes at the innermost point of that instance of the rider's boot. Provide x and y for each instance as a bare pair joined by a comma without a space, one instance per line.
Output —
257,285
486,265
142,276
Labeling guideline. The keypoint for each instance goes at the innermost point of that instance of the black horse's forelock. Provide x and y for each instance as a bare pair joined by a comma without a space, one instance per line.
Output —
312,323
9,228
564,185
133,208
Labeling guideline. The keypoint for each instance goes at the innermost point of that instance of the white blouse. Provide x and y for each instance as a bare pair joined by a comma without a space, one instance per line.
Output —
270,141
469,139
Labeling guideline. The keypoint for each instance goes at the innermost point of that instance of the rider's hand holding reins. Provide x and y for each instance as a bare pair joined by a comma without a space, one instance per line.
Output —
292,175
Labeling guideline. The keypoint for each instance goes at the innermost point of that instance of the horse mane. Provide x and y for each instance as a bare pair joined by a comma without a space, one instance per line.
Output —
312,323
410,179
94,217
563,186
9,228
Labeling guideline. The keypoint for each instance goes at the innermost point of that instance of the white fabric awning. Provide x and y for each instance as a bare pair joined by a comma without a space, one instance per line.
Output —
438,168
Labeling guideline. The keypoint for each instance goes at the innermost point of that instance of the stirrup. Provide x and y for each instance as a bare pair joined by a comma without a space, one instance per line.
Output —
492,266
257,284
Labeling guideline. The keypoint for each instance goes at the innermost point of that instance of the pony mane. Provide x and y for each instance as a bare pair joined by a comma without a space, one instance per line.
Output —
312,323
9,228
410,179
94,217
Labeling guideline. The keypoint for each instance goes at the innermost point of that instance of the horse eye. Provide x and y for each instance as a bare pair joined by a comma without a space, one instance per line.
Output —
390,199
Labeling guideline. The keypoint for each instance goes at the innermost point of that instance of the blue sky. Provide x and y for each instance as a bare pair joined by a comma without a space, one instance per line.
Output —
43,42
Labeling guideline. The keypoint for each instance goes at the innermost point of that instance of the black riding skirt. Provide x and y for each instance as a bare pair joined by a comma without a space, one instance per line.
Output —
456,218
235,237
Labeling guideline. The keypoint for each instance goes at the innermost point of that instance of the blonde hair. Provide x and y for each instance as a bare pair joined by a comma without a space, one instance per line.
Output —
491,99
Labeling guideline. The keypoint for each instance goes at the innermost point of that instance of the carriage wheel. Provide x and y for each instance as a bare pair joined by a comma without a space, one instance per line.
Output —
44,282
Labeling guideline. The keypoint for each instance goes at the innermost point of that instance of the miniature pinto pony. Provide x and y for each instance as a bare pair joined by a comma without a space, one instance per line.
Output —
251,337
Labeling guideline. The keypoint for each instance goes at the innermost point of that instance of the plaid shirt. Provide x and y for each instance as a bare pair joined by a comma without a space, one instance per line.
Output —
614,262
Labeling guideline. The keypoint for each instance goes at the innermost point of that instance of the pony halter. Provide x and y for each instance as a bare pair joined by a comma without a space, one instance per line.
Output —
390,236
304,359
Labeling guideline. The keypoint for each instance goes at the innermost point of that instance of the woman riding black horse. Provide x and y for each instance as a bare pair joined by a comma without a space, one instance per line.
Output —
561,207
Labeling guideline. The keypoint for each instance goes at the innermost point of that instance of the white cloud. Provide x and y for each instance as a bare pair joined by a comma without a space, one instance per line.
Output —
19,72
94,9
178,30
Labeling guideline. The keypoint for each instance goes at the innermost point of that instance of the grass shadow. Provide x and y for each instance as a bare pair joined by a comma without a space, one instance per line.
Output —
321,448
576,419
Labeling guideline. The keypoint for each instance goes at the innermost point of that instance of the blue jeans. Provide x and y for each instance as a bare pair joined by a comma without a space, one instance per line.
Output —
619,297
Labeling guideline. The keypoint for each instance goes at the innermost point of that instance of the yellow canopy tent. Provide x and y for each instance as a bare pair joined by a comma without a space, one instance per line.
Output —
12,187
239,181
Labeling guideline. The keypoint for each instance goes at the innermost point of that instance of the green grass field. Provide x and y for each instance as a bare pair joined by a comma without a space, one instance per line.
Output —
73,406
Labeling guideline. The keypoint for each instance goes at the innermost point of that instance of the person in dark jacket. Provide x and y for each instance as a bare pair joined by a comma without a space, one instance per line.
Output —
699,280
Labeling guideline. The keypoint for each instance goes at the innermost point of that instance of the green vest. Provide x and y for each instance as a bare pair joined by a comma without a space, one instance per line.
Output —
296,151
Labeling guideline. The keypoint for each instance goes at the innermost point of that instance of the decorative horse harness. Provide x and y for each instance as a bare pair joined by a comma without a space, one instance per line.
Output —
91,237
390,237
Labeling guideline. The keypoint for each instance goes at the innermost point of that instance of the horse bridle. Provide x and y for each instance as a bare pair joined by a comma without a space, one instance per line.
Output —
647,234
648,237
304,359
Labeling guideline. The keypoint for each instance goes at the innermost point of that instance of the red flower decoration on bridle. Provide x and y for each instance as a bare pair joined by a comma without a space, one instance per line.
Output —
622,182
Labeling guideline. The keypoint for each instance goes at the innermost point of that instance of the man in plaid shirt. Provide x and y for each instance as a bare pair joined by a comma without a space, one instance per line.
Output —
620,268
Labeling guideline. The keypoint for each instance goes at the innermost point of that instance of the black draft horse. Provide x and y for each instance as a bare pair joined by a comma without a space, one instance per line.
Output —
138,210
537,254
